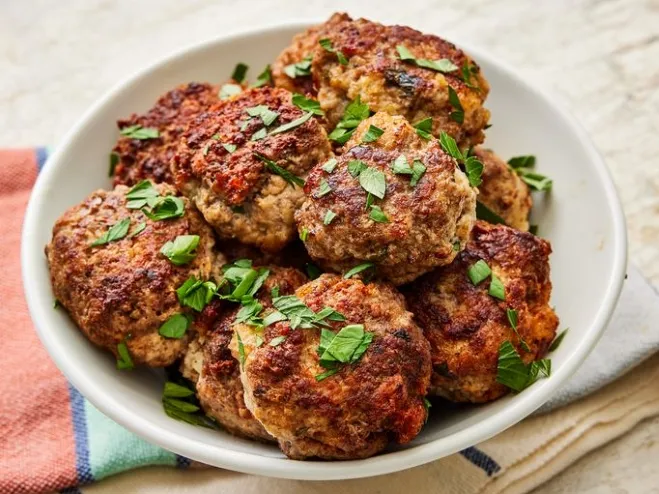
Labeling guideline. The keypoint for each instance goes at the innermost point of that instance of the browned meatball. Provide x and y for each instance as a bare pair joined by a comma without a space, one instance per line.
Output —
148,158
356,411
244,175
219,388
125,290
423,225
502,191
375,73
466,326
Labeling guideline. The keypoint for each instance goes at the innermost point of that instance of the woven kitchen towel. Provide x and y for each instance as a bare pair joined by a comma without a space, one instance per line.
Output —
52,439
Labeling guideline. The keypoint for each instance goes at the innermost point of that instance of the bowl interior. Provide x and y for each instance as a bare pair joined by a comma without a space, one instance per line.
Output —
581,217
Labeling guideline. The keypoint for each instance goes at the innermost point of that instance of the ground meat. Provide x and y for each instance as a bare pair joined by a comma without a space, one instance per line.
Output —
376,74
125,290
219,169
502,191
357,411
466,326
140,159
209,362
427,224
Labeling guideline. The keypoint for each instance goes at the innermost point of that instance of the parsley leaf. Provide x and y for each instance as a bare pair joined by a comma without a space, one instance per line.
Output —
277,340
355,167
307,104
514,373
114,233
195,293
139,132
240,72
372,134
296,311
182,250
478,272
124,362
497,290
527,161
229,147
374,181
267,115
486,214
291,125
173,390
114,160
358,269
354,113
329,217
448,144
312,271
459,114
262,133
299,69
241,350
424,128
535,180
264,77
229,90
175,327
137,230
443,65
512,316
324,188
326,43
330,165
304,234
282,172
557,341
378,215
474,170
138,196
472,166
345,347
418,170
163,208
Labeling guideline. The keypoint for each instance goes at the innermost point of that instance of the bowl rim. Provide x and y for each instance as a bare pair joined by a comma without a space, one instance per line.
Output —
532,398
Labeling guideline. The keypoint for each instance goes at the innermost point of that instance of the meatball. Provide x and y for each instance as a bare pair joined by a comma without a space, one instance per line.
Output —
149,157
375,73
245,176
122,292
419,222
218,387
502,191
466,326
355,409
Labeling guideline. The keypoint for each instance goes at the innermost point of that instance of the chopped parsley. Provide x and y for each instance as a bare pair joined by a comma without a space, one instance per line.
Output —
324,188
522,165
372,134
557,341
282,172
241,350
138,196
267,115
478,272
472,166
299,69
526,161
497,290
277,340
114,160
326,43
243,281
230,148
443,65
330,165
291,308
345,347
259,134
467,71
304,234
512,316
312,271
329,217
264,77
424,128
373,181
533,229
358,269
137,230
458,115
400,166
354,113
355,167
291,125
180,403
175,327
514,373
474,170
195,293
114,233
124,362
239,72
182,250
378,215
486,214
139,132
307,104
163,208
229,90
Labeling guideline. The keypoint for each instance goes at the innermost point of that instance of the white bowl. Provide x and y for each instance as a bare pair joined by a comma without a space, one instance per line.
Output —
581,217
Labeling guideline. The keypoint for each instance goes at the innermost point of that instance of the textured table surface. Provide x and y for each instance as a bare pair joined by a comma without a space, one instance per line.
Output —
600,57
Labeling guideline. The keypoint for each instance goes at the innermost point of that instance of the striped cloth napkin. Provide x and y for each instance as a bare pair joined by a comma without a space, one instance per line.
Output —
52,439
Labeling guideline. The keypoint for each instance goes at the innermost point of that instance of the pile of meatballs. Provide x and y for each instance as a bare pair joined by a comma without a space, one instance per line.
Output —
299,248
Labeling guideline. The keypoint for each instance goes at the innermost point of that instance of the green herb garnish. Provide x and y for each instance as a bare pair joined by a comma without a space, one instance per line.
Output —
497,290
195,293
241,350
277,340
138,196
163,208
229,90
137,230
355,167
424,128
291,125
264,77
114,160
307,104
282,172
458,115
514,373
139,132
299,69
378,215
512,316
557,341
114,233
329,217
124,362
486,214
354,113
358,269
239,72
175,327
267,115
373,181
330,165
324,188
304,234
326,43
443,65
478,272
372,134
182,250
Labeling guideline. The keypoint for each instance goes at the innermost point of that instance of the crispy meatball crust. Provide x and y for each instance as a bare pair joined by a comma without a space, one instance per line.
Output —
376,74
237,194
125,290
426,224
502,191
465,326
149,158
356,412
219,388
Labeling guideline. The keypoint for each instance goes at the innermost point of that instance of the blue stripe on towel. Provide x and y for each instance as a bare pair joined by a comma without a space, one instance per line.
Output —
79,419
42,156
481,460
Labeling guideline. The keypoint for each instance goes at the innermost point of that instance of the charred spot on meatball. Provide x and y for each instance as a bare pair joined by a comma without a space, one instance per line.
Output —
466,326
243,162
358,408
120,290
503,191
149,141
372,69
420,219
